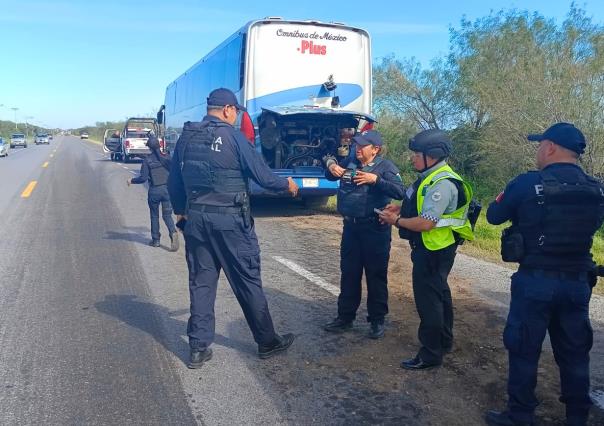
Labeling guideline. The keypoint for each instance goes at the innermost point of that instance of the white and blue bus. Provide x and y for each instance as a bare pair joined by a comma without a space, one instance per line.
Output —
306,86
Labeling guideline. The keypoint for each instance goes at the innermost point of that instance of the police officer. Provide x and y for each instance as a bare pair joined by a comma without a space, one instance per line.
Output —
367,183
434,218
155,169
208,187
554,213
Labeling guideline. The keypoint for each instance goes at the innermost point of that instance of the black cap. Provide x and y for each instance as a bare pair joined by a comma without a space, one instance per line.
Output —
563,134
368,137
222,97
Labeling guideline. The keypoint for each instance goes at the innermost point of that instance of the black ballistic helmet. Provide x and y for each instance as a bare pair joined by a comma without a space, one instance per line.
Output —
432,142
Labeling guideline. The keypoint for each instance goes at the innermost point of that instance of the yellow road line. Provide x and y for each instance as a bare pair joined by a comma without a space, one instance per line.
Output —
45,164
28,190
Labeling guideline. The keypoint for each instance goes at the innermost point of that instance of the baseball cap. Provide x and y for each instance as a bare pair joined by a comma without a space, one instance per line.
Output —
222,97
563,134
369,137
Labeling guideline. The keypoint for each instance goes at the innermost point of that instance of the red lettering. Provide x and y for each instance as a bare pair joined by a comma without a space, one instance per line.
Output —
305,45
312,49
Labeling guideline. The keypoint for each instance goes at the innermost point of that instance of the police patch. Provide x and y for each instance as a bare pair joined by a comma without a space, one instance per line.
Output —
436,196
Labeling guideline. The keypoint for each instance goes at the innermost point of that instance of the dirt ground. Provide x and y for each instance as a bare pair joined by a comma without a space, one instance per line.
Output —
472,378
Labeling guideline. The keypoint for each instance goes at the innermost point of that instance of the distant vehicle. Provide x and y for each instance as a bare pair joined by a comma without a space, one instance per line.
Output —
50,136
42,138
131,142
84,135
3,148
307,89
18,139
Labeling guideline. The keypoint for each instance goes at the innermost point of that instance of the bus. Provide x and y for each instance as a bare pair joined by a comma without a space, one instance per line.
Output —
307,88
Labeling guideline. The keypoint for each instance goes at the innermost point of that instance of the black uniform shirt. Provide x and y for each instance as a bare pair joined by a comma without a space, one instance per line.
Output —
144,173
231,151
389,180
517,203
524,187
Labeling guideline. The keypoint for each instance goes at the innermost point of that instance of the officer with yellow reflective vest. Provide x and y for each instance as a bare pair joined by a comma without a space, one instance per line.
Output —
434,218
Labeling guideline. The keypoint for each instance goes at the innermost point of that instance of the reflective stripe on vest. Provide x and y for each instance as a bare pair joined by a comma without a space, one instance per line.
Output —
442,235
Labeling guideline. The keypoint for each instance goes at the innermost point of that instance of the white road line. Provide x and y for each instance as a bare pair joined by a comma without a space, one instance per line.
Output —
308,275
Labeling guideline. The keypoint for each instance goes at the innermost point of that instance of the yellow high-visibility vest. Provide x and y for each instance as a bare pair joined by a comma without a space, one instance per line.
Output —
441,235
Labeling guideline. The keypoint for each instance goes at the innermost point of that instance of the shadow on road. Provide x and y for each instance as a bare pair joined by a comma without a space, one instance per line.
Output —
137,234
160,323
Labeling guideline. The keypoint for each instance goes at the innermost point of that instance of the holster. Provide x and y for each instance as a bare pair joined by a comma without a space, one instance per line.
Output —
512,245
242,200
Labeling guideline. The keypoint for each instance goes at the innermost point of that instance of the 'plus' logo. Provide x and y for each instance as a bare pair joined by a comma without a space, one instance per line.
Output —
312,49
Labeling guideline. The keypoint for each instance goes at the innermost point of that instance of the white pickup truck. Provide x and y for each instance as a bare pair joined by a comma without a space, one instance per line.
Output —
131,142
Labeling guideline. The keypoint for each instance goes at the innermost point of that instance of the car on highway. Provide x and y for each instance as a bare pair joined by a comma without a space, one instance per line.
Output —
84,135
18,139
42,138
3,148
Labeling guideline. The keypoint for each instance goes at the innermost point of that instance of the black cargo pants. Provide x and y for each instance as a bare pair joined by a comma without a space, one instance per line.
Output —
215,242
433,300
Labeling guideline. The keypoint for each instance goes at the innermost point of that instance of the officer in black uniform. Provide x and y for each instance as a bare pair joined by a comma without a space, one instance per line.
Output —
155,169
367,183
208,187
554,213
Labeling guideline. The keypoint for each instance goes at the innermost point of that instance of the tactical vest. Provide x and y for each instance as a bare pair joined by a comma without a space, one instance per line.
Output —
157,172
560,235
206,184
358,200
451,225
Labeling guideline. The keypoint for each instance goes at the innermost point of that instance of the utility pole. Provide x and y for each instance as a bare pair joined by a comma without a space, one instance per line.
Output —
15,109
26,128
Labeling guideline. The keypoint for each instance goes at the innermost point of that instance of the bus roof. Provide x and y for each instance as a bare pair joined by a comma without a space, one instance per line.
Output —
269,21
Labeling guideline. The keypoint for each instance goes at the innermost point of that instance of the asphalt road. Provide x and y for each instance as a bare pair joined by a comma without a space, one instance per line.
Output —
93,320
70,348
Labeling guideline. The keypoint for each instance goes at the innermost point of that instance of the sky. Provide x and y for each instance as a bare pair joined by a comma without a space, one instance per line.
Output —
71,63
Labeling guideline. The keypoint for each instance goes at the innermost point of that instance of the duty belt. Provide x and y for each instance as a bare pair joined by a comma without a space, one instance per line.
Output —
554,274
359,220
203,208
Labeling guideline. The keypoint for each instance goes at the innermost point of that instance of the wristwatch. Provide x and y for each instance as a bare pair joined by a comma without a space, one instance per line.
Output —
396,224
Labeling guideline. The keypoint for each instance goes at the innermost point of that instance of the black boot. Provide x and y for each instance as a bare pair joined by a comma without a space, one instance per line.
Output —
338,325
377,330
417,364
174,241
199,357
154,243
280,344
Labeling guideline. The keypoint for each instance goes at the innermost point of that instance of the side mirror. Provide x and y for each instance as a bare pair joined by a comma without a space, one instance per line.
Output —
160,115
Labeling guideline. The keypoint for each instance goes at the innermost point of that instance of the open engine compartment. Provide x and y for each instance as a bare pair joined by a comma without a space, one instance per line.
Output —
300,139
